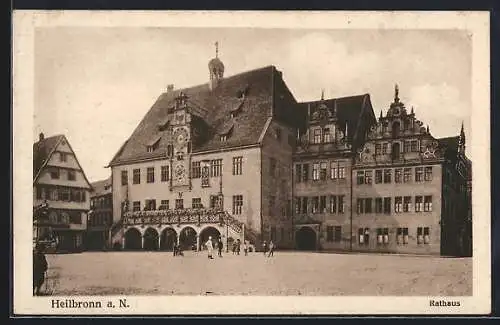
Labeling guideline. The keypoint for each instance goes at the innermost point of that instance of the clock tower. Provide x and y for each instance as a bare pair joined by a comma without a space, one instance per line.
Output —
181,137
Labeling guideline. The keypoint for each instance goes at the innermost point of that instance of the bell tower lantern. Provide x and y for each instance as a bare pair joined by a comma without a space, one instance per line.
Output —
216,69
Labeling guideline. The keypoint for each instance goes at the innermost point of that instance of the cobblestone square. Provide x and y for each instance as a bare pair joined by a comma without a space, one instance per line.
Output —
287,273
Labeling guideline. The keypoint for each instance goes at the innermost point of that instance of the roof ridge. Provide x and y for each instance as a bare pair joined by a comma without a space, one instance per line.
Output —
334,98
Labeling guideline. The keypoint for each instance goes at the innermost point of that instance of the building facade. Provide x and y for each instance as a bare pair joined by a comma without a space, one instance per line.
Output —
60,185
240,158
100,217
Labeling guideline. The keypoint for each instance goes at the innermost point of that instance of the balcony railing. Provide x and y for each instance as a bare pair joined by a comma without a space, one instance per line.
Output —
177,216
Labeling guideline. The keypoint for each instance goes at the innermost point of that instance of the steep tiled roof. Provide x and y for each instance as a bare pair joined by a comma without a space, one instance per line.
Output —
101,187
450,143
42,150
348,109
213,108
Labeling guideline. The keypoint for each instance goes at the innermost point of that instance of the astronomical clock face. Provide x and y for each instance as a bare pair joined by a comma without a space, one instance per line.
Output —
181,138
180,173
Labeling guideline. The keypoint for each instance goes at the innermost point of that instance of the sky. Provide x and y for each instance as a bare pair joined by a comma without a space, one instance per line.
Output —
95,84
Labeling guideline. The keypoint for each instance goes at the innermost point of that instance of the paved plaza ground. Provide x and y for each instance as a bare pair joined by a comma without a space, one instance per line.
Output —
287,273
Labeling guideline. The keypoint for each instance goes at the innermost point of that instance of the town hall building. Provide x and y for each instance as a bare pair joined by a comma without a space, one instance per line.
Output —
239,158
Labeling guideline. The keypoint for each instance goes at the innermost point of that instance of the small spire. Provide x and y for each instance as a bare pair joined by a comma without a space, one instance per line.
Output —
462,133
412,110
380,114
217,49
427,129
346,129
323,94
396,93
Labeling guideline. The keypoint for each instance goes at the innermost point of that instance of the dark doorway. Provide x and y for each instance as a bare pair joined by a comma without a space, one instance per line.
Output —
168,238
133,239
187,238
207,232
396,127
396,150
306,239
150,240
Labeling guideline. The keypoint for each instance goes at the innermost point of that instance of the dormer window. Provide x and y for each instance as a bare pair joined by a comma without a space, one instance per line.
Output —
225,131
326,135
236,110
153,144
223,138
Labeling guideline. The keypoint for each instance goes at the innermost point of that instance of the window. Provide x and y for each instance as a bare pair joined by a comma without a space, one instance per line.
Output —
398,204
341,172
368,177
322,204
428,203
360,177
326,135
322,173
402,236
179,204
368,205
71,175
136,176
237,204
196,203
333,204
297,204
333,170
315,204
426,235
341,204
272,166
223,138
204,177
338,234
164,205
407,175
329,233
54,173
150,205
406,146
360,205
397,175
378,205
124,177
237,165
63,156
387,205
304,204
165,173
385,146
419,174
317,136
315,175
420,235
64,194
419,204
387,175
136,206
414,146
305,172
407,204
216,168
428,173
378,176
378,149
364,236
298,173
150,175
214,201
195,169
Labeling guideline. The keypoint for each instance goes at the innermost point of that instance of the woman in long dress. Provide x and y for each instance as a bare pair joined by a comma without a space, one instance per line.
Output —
210,247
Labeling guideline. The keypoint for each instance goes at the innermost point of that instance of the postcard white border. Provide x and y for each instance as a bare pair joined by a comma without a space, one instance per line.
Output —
477,23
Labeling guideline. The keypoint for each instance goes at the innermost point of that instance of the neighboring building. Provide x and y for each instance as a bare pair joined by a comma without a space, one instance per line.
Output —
101,215
410,188
239,158
59,181
210,160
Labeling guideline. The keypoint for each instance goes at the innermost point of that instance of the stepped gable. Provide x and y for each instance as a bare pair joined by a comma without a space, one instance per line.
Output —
243,101
348,111
42,150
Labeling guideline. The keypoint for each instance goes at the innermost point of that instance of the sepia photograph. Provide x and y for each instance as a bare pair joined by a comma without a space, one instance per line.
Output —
232,162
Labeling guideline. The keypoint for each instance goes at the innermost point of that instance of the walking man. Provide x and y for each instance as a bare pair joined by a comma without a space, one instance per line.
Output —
264,247
40,266
271,249
210,247
219,247
245,247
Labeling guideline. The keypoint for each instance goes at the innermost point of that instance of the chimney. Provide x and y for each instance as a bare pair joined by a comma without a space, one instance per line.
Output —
170,88
41,136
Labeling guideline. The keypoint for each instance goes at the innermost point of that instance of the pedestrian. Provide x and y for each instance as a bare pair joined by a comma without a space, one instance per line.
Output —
238,246
264,247
175,249
245,247
219,247
210,247
40,266
271,249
